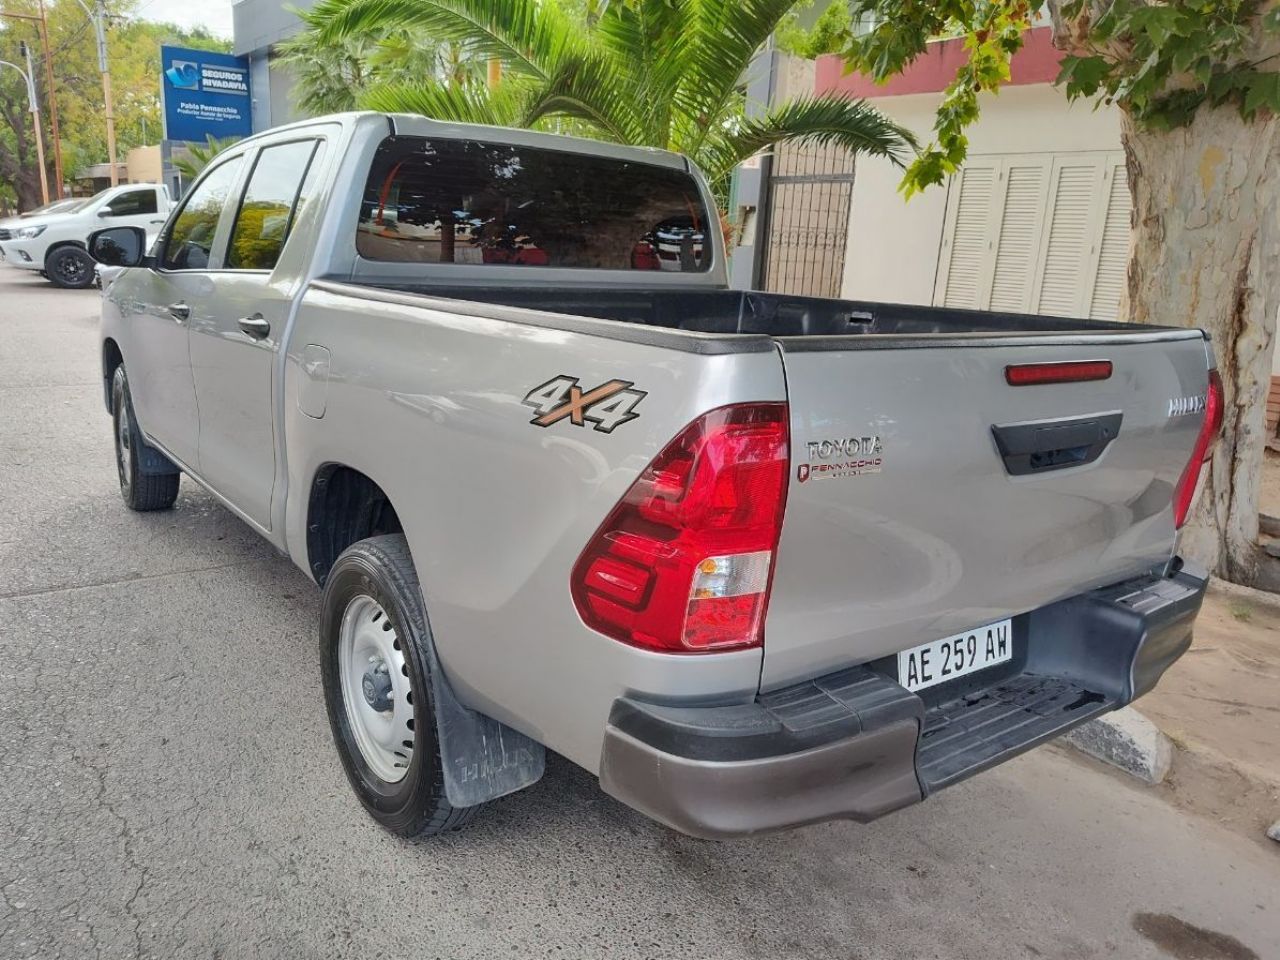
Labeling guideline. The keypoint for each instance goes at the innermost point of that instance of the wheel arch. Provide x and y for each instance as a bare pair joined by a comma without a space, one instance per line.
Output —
60,244
344,506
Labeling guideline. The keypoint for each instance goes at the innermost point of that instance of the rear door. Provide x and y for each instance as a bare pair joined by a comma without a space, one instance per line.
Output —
929,497
237,333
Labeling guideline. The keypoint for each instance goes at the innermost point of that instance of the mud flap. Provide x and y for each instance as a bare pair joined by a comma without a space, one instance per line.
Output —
483,759
151,462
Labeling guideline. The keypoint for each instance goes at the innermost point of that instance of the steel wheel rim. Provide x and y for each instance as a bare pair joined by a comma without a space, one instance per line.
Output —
369,647
123,440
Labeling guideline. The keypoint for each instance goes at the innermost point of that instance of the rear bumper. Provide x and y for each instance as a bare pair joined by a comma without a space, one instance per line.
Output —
856,745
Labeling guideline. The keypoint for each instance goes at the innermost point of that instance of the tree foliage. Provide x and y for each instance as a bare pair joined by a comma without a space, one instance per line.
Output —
664,73
1159,61
829,33
134,48
333,74
1165,61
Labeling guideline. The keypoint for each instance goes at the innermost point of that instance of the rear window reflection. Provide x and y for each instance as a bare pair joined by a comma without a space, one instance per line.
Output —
467,202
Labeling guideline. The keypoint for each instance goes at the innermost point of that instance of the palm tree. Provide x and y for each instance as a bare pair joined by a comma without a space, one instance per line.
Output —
330,76
663,73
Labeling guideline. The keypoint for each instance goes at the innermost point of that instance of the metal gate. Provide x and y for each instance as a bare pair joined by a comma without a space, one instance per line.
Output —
810,192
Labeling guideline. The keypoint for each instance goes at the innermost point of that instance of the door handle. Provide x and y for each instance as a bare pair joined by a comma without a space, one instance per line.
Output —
255,326
1055,444
179,311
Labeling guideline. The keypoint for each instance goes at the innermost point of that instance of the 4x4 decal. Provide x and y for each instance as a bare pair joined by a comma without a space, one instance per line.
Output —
607,406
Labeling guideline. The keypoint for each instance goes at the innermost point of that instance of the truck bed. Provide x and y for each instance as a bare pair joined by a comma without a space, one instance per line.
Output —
928,494
729,312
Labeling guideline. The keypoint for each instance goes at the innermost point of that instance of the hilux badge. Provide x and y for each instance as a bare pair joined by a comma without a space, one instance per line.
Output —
1184,406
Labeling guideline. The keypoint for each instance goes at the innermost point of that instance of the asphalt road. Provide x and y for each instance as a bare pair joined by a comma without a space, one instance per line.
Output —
168,787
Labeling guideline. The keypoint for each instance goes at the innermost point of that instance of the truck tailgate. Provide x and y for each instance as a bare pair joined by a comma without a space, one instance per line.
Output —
928,496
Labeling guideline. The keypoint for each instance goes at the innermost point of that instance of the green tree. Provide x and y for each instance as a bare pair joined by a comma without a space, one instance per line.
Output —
134,48
663,73
1198,91
331,75
829,33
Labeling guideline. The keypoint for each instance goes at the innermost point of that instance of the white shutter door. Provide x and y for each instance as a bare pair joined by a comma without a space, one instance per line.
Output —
1113,248
1072,214
967,237
1018,234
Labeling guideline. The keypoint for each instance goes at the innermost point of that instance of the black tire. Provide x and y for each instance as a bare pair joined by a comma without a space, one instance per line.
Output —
140,491
416,806
70,268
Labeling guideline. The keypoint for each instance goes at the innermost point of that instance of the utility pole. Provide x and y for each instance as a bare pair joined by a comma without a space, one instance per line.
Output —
35,119
53,104
99,17
42,25
35,116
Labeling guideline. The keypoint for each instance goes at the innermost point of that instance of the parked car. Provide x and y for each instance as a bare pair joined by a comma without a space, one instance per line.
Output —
53,242
755,560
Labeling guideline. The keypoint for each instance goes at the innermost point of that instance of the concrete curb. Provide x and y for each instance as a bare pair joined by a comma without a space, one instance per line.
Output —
1261,597
1128,740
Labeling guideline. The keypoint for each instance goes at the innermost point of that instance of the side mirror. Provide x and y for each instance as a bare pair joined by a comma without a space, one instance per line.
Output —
118,246
106,212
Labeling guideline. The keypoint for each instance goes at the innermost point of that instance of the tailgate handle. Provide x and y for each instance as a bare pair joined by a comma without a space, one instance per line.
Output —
1055,444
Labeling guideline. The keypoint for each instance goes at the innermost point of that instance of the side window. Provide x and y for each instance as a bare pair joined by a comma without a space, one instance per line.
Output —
191,239
133,203
269,205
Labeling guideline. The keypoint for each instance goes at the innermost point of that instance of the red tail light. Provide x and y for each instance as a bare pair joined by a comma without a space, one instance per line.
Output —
1070,371
684,561
1203,450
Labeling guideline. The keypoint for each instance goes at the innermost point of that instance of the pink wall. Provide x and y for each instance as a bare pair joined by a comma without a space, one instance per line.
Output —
1036,62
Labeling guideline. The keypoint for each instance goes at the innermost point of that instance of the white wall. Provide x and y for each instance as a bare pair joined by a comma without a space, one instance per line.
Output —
893,243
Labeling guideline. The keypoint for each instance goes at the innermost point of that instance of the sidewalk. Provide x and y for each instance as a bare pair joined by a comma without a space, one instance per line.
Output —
1220,704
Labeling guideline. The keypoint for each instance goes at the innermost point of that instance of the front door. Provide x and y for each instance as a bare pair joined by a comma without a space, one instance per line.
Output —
158,304
236,339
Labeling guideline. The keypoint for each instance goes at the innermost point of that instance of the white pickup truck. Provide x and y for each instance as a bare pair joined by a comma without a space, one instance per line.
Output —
755,560
52,241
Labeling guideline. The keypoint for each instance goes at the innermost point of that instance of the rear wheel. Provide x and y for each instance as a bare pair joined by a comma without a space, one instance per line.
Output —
141,491
70,268
375,670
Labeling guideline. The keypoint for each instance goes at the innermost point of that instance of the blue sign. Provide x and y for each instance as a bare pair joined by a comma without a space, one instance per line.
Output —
205,95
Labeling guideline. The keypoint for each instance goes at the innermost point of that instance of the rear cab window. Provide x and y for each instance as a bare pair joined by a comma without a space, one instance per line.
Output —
133,203
446,201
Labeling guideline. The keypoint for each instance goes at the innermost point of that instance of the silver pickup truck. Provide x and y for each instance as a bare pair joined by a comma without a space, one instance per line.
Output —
754,560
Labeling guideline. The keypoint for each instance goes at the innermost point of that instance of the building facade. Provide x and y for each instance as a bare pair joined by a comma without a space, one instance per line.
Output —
141,165
258,26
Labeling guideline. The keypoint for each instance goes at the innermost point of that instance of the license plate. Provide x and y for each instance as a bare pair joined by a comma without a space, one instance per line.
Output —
941,660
